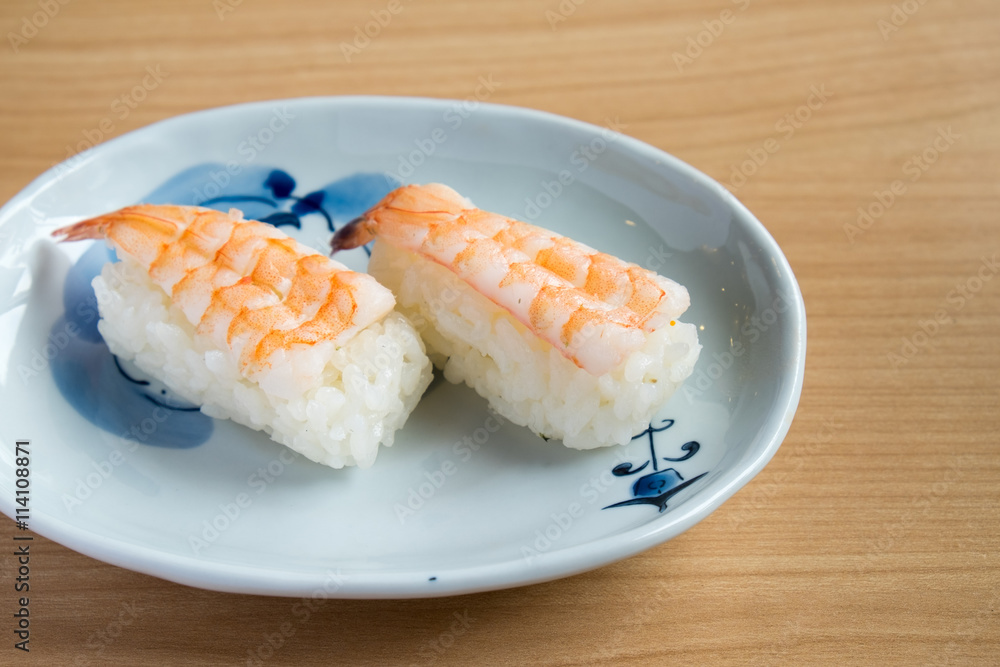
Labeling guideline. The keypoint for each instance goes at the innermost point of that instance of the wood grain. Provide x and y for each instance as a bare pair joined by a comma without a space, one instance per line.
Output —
873,534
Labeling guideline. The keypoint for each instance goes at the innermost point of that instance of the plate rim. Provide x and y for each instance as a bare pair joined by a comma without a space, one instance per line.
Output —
549,565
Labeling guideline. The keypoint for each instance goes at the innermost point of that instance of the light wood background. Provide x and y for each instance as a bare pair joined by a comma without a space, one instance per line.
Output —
872,537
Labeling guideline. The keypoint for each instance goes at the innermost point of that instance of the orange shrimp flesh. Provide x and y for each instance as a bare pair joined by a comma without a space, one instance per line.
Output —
243,284
593,307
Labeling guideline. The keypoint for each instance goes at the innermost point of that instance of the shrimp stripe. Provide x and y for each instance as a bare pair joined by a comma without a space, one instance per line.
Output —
242,283
566,292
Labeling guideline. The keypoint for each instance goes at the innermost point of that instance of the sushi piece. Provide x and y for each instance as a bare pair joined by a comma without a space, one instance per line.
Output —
237,317
573,343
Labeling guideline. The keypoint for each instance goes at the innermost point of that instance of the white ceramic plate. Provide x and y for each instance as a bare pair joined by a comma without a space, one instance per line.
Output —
122,472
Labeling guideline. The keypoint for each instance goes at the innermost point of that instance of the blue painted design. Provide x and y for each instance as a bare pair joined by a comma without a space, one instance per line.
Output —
91,379
162,398
79,300
283,218
349,197
94,381
659,486
266,194
280,183
88,378
311,202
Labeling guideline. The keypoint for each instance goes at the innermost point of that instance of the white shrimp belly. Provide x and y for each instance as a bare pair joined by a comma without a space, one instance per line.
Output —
524,377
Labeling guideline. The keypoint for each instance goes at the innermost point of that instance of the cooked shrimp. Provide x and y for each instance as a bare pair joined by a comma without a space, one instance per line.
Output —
245,285
591,306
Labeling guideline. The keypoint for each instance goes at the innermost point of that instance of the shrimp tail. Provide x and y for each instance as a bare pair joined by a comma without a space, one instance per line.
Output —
95,228
354,234
153,219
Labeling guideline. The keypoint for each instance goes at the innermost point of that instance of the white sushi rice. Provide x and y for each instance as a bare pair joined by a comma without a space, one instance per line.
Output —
524,377
344,402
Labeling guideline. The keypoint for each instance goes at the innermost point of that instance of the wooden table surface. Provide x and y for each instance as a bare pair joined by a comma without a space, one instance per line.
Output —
864,135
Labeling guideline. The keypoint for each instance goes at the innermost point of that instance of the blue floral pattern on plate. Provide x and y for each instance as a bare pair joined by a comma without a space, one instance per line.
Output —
120,400
658,486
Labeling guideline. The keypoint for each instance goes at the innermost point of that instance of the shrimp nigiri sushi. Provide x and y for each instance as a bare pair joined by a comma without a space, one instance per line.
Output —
237,317
573,343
